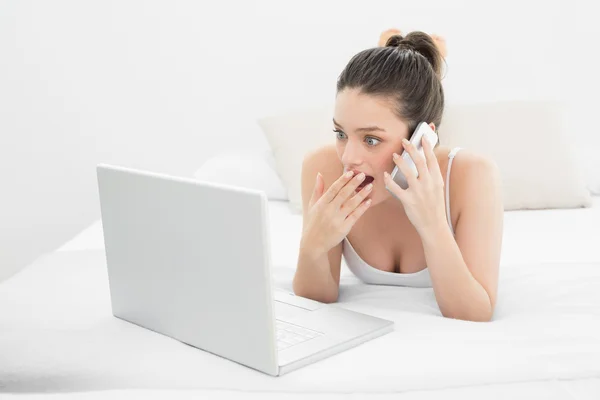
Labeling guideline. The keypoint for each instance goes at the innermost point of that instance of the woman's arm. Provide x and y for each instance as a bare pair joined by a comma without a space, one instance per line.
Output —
464,268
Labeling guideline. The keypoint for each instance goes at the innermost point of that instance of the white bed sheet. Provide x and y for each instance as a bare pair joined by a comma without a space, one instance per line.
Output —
537,236
581,389
57,333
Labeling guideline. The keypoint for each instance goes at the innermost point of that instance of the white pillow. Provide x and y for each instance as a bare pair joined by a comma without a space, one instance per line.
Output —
589,153
529,142
594,180
249,169
538,166
291,136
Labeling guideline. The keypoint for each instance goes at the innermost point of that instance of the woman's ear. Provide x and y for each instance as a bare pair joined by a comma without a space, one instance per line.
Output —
432,126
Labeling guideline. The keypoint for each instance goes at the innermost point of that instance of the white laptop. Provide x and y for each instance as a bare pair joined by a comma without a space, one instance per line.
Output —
191,260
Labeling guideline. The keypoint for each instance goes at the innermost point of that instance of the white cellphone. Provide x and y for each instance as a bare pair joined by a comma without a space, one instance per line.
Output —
422,129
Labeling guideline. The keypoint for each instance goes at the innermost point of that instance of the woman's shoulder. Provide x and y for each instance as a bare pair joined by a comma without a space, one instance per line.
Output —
471,173
323,159
467,163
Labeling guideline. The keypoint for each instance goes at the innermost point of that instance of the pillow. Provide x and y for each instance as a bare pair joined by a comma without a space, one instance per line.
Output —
252,170
528,142
594,180
589,154
291,136
525,138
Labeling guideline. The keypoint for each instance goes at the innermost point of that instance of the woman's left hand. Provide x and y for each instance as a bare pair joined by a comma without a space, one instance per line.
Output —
423,200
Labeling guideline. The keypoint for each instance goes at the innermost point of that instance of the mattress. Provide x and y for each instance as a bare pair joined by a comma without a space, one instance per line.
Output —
58,336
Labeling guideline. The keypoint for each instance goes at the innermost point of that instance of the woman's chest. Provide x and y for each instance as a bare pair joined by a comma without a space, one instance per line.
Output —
391,245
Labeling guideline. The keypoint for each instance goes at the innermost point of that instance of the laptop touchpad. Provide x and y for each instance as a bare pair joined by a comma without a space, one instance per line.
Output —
292,299
286,311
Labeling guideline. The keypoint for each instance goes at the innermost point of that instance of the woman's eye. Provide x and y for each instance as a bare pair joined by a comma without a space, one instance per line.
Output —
339,134
371,139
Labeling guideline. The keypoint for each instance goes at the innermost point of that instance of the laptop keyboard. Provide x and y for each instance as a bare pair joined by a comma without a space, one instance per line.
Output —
289,335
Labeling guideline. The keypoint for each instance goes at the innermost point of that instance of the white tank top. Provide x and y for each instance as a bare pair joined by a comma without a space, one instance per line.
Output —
372,275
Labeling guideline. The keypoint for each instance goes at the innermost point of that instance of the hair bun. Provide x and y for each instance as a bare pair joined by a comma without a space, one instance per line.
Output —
421,43
398,41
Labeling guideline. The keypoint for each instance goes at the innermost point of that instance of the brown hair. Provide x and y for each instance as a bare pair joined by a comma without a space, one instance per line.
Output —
406,71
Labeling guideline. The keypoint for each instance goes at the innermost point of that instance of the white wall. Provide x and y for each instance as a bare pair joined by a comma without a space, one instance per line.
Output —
164,84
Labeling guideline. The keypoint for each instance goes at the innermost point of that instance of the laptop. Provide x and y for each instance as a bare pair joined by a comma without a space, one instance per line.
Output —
191,260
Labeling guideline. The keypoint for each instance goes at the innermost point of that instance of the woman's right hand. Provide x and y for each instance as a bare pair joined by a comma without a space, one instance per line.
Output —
332,214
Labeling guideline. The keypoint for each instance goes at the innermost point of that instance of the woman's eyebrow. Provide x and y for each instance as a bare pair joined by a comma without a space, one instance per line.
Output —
365,129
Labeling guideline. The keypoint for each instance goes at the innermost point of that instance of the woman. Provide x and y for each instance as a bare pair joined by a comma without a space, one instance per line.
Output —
444,231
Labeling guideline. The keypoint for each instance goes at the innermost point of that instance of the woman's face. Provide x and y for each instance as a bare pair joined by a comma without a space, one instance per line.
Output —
367,135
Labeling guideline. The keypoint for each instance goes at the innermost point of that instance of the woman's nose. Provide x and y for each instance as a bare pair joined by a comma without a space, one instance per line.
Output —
351,155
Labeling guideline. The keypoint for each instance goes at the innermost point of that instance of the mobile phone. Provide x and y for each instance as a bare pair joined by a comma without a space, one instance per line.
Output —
422,129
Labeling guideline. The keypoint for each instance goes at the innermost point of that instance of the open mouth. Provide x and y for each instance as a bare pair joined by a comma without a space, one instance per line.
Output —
368,179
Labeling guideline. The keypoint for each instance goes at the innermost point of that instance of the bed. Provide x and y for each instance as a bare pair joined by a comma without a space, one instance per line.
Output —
58,338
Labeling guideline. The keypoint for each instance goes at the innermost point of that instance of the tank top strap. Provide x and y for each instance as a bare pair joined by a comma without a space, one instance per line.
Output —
453,152
450,158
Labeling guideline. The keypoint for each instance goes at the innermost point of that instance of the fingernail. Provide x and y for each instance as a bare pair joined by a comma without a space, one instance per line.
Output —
405,141
361,176
386,174
349,174
395,156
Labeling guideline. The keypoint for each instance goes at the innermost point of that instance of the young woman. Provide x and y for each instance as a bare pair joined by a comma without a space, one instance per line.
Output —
444,231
